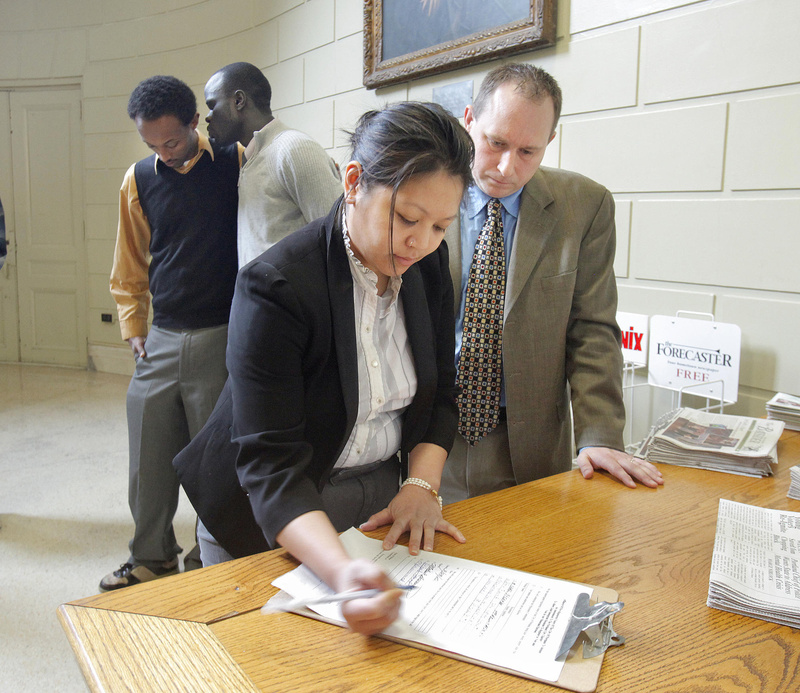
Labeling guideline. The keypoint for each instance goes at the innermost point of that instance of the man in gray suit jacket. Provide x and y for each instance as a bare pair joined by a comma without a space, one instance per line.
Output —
560,339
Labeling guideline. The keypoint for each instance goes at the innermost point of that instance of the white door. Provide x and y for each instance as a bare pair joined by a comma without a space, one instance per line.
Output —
48,216
9,322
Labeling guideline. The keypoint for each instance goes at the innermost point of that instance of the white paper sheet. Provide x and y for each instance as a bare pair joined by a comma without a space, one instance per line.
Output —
503,617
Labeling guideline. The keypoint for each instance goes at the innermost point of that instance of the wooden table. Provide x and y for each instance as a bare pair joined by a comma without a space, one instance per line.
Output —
202,631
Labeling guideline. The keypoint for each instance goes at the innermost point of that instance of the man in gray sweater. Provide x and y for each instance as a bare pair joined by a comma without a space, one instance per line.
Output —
287,179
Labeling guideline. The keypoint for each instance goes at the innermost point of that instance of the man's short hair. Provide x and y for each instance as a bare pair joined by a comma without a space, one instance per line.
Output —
162,95
531,81
249,79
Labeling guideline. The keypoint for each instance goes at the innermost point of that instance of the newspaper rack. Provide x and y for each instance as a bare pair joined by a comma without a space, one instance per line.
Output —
714,402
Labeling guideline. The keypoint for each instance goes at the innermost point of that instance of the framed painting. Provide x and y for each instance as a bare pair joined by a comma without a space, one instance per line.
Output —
407,39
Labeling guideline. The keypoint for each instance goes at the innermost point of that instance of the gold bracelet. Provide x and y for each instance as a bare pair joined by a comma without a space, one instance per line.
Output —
423,484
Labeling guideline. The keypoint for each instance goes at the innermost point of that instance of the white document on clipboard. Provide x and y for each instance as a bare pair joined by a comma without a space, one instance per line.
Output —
506,619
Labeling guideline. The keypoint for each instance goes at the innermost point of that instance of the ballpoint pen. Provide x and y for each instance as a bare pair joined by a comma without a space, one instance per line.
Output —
328,599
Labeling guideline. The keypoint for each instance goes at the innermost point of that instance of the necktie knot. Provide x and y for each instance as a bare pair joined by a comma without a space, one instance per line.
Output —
493,208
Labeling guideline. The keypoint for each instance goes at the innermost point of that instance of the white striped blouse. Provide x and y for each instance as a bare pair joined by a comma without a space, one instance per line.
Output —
387,380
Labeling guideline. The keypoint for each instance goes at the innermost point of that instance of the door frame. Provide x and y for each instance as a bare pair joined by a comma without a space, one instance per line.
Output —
43,299
9,301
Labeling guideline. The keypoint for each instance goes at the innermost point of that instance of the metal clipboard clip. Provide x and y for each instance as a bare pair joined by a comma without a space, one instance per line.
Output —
595,621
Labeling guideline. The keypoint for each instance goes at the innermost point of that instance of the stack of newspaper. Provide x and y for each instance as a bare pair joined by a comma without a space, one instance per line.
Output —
785,408
724,443
794,485
754,566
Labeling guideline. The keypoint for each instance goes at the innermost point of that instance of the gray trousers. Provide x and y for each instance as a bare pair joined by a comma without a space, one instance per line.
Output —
350,499
474,470
171,395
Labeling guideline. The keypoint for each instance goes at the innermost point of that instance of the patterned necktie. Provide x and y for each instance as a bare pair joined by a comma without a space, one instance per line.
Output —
481,365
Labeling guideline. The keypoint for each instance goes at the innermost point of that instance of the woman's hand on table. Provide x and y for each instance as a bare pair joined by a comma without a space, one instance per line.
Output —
414,510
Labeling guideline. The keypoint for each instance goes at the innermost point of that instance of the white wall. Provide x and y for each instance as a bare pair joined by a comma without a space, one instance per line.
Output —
687,111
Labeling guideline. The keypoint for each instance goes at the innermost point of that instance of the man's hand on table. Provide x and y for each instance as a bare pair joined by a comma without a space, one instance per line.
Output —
620,465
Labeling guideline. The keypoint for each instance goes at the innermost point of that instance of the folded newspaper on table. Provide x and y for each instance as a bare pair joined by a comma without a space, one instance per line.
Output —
734,444
785,408
754,566
794,485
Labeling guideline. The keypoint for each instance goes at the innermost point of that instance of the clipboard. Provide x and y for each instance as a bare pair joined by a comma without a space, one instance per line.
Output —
530,619
579,674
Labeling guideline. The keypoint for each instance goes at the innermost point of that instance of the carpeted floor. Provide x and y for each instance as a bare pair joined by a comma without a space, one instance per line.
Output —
64,518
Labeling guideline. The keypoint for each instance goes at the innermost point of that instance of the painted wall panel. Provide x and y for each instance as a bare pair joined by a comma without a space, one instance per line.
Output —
721,48
674,150
770,332
764,144
333,69
751,244
286,80
652,301
589,84
590,14
305,27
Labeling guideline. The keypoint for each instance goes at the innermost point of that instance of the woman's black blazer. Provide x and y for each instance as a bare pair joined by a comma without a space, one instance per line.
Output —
291,398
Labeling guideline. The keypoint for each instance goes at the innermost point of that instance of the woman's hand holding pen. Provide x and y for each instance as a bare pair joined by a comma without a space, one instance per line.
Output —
312,539
368,616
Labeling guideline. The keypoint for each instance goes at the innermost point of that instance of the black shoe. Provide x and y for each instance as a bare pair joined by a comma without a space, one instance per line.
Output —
129,574
192,560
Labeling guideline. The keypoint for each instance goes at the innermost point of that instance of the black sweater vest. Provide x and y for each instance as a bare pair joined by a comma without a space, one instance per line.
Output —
192,219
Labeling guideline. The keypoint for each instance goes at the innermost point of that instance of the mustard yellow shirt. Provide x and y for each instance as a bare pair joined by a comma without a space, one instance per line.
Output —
130,284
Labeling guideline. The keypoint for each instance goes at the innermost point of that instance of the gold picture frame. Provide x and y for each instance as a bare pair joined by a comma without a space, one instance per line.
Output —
408,39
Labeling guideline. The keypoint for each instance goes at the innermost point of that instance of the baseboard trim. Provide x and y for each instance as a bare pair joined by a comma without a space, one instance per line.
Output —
111,359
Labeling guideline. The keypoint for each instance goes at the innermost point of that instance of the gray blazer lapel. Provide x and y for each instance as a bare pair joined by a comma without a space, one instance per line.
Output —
534,226
452,237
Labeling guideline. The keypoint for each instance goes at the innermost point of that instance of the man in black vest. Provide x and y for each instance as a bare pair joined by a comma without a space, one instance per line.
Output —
176,241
